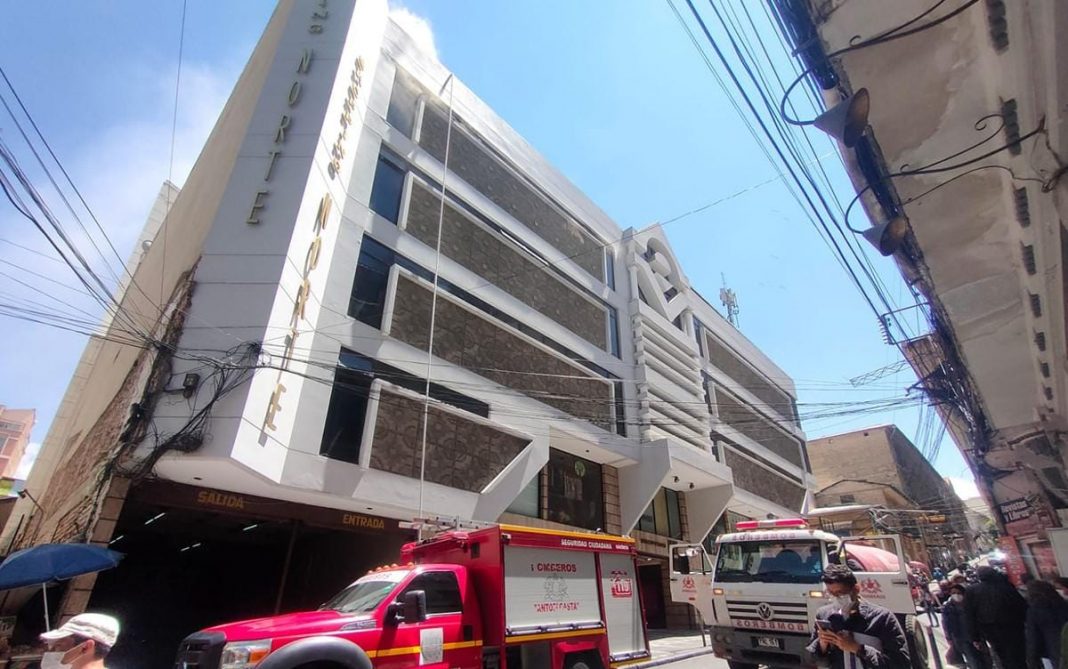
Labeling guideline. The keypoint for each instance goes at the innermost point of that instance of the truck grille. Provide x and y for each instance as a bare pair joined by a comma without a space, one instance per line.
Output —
202,650
787,612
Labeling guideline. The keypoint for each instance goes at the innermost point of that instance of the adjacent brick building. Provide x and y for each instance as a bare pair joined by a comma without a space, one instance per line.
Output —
882,467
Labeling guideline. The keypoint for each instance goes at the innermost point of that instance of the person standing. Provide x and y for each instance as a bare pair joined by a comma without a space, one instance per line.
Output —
995,613
851,632
83,642
1046,615
955,627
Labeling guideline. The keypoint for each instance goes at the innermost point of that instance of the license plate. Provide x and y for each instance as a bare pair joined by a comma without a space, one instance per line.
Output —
768,642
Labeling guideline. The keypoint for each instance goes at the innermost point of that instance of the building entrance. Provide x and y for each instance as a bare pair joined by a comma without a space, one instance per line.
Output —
235,557
651,582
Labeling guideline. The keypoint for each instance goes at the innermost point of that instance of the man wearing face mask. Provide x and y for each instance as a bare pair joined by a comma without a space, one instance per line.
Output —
958,633
83,642
852,633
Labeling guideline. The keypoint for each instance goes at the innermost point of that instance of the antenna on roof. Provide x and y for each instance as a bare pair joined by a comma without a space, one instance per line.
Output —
730,300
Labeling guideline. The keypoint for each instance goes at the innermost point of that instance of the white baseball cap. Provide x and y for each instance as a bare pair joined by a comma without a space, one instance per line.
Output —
100,628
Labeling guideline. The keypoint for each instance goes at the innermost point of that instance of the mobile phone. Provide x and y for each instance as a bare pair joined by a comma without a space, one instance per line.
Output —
824,625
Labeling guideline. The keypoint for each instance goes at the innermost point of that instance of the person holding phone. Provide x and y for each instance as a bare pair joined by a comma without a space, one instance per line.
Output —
850,632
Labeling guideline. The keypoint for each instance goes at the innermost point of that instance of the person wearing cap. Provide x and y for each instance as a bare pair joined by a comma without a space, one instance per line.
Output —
83,642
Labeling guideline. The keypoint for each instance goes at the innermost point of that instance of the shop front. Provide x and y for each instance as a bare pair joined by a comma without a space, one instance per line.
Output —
196,557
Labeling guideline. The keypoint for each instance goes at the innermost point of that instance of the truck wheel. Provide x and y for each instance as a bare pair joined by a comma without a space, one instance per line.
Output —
579,661
740,665
917,643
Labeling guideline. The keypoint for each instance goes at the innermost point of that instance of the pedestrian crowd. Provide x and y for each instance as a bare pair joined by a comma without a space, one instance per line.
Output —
989,624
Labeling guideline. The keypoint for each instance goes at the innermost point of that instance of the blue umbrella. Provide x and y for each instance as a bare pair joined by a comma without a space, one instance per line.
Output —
48,563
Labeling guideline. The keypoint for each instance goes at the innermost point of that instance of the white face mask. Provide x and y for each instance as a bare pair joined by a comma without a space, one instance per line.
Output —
53,661
957,598
842,602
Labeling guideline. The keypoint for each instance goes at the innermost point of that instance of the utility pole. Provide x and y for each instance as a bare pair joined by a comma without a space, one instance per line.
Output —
730,301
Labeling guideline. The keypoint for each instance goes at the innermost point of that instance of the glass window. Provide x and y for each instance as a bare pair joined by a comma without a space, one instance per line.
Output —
621,408
442,591
575,495
369,287
663,516
386,189
610,267
365,594
613,331
402,102
528,503
345,415
699,335
647,523
674,514
769,562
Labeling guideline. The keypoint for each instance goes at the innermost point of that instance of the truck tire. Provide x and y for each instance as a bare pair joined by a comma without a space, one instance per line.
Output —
582,661
918,655
740,665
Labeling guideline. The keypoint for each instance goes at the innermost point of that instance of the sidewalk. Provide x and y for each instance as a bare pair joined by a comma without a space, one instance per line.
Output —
674,645
940,640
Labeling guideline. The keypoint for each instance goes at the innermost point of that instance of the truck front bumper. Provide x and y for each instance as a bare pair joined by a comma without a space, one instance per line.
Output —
202,650
774,649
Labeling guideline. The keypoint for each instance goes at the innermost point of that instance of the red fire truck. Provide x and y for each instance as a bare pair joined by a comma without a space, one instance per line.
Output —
500,597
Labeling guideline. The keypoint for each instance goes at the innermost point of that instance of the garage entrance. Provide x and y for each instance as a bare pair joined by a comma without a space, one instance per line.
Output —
197,557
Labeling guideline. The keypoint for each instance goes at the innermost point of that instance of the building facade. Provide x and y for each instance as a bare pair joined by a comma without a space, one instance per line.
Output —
964,167
383,304
15,428
882,467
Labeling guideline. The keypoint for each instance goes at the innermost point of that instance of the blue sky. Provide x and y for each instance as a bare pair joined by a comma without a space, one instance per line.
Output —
612,93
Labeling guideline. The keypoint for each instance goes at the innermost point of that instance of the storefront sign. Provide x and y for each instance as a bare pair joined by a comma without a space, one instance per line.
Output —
304,66
1014,510
207,499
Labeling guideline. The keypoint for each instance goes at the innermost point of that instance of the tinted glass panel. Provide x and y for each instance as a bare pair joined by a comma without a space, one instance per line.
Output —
527,503
386,190
674,517
402,102
442,591
345,415
575,491
369,287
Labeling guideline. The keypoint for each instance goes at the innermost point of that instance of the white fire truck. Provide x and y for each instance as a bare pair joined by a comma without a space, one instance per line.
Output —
760,592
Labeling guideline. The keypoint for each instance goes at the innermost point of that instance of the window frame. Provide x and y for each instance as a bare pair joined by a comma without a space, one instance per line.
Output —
413,585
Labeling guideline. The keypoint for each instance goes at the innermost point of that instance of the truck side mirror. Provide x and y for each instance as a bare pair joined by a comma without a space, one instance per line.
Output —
415,606
411,608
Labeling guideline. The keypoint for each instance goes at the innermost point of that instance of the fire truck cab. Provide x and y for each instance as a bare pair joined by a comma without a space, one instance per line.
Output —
500,597
760,592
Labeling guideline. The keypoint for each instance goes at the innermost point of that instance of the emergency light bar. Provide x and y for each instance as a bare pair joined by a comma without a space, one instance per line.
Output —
763,524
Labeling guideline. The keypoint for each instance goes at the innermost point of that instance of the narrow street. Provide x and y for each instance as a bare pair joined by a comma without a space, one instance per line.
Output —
684,650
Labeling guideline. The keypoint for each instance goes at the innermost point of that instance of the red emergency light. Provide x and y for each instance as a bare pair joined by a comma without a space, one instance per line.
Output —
778,522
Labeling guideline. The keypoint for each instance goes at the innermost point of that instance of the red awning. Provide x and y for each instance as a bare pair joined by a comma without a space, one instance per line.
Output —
872,558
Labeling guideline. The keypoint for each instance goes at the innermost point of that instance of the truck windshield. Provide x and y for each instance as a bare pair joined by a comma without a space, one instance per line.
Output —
366,594
769,562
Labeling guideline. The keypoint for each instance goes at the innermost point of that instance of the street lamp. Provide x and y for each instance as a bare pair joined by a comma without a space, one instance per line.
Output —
25,494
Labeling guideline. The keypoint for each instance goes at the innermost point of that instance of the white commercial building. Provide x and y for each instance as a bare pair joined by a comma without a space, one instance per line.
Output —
577,379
